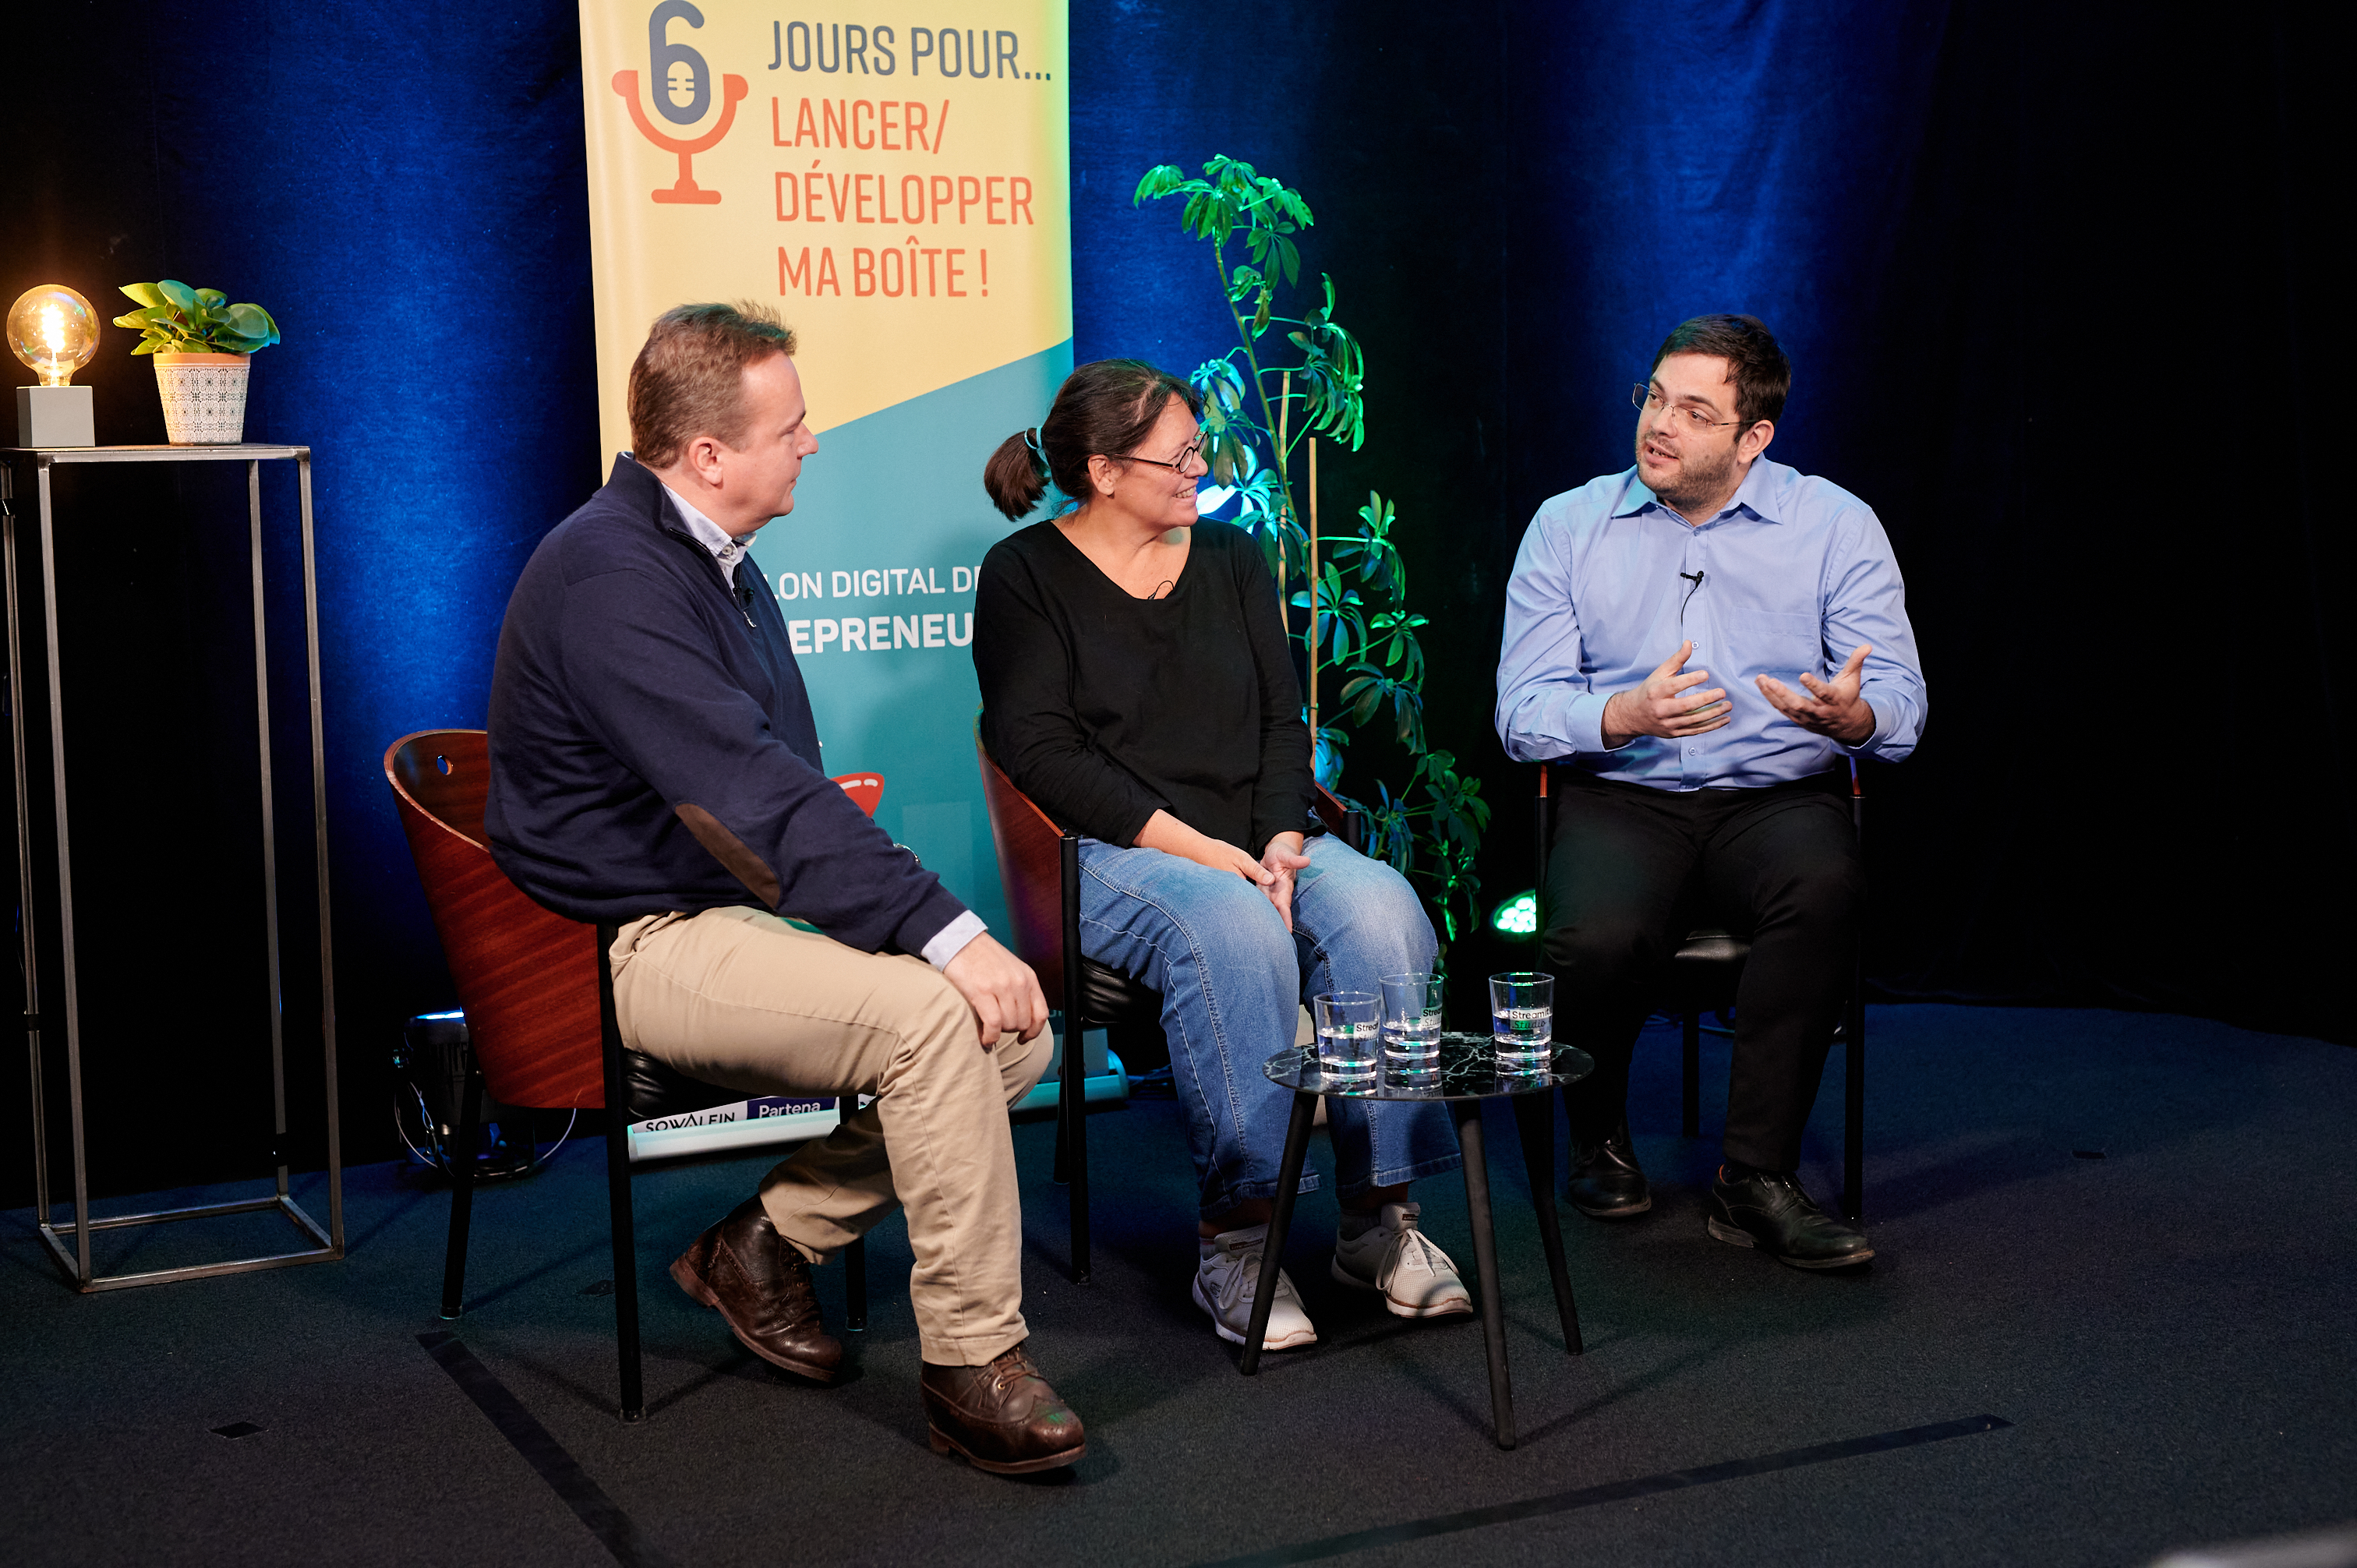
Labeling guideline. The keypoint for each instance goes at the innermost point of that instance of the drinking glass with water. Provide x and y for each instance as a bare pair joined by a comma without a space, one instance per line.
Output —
1348,1024
1522,1020
1411,1026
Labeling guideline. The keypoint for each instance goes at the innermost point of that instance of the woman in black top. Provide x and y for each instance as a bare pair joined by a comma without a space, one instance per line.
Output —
1137,685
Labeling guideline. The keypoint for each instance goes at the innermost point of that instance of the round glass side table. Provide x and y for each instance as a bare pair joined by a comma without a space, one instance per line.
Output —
1467,1076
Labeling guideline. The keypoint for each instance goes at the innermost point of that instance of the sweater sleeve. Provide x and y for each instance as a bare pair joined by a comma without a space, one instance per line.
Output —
1023,663
1281,791
652,689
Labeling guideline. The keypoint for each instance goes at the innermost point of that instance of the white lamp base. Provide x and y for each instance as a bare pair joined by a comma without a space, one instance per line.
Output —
55,416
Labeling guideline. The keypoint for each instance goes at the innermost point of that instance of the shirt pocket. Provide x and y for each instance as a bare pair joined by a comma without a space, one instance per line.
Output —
1775,642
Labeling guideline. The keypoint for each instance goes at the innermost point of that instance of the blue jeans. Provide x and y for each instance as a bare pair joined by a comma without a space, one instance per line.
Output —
1233,981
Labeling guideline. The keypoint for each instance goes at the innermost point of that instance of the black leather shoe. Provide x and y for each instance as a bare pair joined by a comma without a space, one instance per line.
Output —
1004,1417
1762,1209
762,1285
1604,1181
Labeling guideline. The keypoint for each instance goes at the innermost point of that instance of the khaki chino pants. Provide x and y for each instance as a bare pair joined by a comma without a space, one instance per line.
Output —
739,998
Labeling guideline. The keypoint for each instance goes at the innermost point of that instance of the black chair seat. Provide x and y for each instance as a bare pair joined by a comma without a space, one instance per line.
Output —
657,1089
1131,1012
1706,945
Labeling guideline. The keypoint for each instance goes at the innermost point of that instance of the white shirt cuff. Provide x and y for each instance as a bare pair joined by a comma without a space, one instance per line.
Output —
951,939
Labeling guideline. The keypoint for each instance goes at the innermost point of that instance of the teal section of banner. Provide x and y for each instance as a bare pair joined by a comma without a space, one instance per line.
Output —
874,570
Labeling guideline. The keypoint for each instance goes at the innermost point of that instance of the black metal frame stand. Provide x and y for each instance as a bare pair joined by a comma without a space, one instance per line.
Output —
69,1244
1534,1121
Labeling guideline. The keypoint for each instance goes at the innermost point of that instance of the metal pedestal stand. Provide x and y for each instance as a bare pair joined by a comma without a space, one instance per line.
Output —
75,1260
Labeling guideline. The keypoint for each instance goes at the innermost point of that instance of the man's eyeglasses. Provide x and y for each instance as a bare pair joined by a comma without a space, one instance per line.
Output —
1188,455
1696,419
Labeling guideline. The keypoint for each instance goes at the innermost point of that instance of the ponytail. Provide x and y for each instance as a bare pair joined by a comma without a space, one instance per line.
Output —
1017,476
1104,408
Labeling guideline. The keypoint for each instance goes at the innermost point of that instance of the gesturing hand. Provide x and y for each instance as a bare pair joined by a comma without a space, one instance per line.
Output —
1832,707
1000,988
1282,859
1666,704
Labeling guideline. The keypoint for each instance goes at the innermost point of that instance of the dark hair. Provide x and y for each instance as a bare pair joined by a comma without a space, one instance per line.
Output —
1103,408
1762,374
689,379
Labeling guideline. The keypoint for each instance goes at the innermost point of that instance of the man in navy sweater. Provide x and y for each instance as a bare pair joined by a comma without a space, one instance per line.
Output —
655,764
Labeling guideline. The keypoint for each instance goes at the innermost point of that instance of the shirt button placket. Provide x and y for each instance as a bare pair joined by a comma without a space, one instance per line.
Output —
1692,770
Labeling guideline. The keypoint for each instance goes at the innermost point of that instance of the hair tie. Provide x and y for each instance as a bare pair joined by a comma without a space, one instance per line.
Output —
1038,452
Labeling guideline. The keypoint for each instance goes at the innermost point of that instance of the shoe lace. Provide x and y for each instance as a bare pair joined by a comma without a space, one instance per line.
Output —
1412,1246
1009,1367
1789,1188
1242,1281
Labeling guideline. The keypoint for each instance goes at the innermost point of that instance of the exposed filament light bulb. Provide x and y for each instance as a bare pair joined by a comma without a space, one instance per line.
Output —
54,331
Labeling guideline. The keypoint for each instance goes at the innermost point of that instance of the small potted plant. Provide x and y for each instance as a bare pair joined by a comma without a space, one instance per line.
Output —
201,342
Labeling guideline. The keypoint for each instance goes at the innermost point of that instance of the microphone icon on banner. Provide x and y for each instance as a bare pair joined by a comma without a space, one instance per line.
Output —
678,67
626,82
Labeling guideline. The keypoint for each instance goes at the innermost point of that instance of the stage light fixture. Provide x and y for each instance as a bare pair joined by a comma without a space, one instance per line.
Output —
1518,917
54,331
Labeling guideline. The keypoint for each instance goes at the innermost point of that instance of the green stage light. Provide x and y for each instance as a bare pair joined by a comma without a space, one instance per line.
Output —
1518,917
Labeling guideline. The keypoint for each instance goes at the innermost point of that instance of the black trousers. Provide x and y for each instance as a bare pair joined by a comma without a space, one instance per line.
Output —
1632,869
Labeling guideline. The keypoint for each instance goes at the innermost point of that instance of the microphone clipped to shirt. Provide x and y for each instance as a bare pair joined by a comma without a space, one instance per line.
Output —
1694,578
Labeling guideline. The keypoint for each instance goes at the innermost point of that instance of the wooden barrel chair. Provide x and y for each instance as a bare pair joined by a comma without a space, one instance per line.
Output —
539,1000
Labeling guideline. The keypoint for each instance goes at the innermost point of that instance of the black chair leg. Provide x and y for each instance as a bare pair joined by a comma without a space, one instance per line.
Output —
1854,1113
854,1287
1071,1086
1694,1075
1485,1260
855,1257
618,1189
460,1153
1272,1251
1062,1173
1535,1120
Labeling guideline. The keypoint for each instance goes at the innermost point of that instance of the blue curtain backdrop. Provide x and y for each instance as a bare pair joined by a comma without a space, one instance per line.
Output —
2051,284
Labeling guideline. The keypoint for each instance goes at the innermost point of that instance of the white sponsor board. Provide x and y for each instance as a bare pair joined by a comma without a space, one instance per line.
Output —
747,1123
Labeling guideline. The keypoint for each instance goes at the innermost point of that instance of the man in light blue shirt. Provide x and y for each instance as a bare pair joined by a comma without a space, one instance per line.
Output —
1702,643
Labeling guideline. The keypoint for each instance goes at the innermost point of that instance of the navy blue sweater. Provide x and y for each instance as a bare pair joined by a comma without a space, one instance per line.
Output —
653,747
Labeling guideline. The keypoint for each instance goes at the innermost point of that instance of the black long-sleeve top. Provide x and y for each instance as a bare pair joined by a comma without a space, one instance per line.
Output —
1103,708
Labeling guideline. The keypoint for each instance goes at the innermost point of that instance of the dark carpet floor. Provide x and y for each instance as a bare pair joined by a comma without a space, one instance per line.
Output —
2164,1334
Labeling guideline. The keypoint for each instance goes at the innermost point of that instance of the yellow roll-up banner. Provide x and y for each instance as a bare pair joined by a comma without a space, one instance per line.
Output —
898,189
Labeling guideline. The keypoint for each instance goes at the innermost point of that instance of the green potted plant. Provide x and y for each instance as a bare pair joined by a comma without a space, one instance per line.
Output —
201,342
1351,584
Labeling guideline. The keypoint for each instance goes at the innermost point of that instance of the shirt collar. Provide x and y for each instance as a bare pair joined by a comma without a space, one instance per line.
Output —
726,549
1758,494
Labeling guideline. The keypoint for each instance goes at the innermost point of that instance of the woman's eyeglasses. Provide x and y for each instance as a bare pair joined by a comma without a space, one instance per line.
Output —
1188,455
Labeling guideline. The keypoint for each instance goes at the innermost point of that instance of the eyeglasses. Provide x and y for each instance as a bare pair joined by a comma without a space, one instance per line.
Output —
1188,455
1696,419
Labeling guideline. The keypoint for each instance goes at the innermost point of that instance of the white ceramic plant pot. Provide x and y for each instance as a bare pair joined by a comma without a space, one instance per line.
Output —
204,398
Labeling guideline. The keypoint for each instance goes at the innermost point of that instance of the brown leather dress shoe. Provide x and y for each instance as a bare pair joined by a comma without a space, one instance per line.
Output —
762,1285
1004,1417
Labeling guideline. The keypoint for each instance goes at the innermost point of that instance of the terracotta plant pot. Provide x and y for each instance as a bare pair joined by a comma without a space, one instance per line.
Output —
204,398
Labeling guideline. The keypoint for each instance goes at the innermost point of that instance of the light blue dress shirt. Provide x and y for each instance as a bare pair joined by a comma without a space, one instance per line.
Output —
1794,575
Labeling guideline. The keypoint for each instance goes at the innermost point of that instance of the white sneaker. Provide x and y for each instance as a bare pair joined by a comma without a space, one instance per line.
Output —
1226,1280
1416,1278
